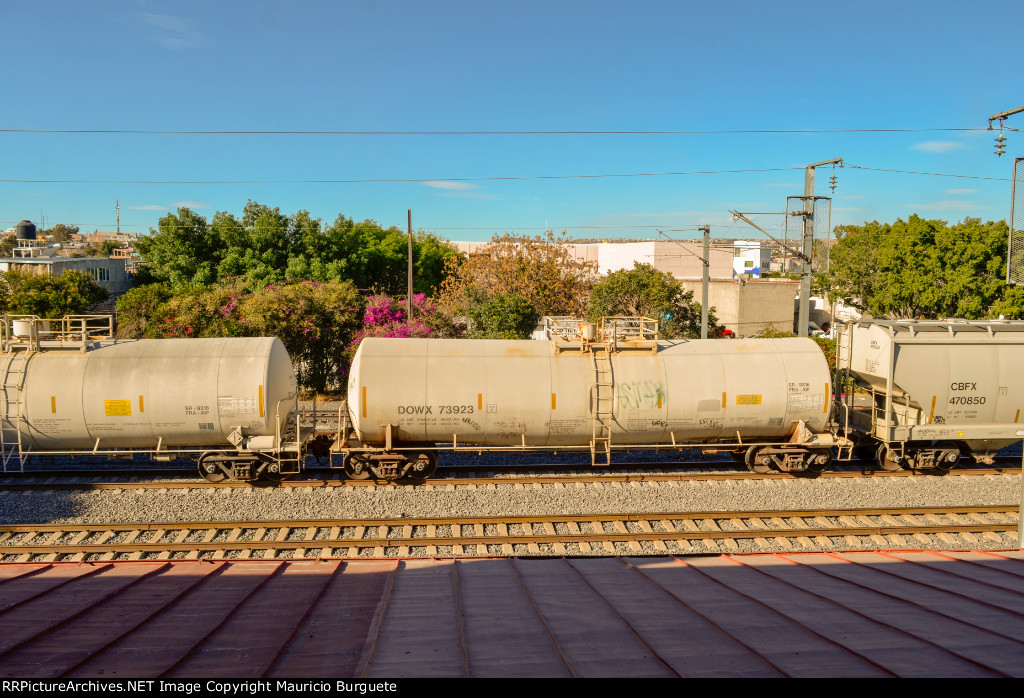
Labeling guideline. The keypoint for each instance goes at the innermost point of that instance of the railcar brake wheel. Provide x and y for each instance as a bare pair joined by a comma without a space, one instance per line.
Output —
888,459
357,466
756,462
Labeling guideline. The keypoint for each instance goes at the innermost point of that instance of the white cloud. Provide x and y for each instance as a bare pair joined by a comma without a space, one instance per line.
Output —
455,186
946,206
172,32
938,146
191,204
961,191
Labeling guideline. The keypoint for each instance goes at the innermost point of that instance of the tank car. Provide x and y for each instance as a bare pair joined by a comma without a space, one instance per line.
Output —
71,388
765,400
938,390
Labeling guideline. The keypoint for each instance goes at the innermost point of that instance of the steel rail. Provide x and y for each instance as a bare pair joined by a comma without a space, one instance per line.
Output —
190,481
804,525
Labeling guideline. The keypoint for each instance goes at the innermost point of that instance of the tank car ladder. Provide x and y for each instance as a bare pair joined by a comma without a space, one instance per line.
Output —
601,443
11,447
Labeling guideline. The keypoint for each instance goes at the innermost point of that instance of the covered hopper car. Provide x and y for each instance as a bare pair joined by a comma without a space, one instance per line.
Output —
938,391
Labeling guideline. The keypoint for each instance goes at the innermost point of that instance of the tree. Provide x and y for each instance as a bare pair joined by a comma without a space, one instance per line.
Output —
50,296
540,270
137,307
926,268
504,316
183,251
315,321
61,232
643,290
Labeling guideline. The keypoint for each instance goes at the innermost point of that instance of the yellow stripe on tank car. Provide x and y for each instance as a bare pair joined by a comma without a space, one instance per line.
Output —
364,402
1017,417
142,405
261,402
552,401
479,401
53,405
723,400
825,409
659,399
931,415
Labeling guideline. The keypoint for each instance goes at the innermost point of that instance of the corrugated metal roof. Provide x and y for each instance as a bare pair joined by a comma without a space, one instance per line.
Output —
899,613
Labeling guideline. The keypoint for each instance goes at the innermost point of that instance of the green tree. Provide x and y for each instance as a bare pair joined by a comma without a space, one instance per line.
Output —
315,321
183,251
137,307
643,290
61,232
504,316
926,268
50,296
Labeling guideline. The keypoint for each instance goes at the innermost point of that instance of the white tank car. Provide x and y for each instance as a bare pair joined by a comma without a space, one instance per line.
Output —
155,394
548,394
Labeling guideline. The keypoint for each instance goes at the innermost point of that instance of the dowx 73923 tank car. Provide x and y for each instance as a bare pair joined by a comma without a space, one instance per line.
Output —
612,386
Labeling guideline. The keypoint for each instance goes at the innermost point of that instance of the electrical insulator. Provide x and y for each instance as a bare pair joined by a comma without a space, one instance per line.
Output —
1000,144
832,183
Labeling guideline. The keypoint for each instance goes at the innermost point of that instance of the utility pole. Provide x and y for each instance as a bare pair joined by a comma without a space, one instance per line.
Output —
705,278
408,318
804,315
1015,248
705,281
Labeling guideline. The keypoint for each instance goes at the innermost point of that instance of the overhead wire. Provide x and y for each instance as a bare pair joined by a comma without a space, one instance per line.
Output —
575,132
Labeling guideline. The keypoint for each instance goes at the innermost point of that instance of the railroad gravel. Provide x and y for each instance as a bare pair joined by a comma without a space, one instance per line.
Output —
501,499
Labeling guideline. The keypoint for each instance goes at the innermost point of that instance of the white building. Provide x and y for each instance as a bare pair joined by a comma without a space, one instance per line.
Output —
752,258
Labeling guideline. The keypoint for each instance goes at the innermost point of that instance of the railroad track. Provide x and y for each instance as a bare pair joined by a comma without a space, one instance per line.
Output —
128,480
556,535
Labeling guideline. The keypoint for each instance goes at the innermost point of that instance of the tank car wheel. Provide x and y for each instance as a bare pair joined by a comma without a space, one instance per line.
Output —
756,462
272,476
818,461
424,465
357,467
888,459
210,470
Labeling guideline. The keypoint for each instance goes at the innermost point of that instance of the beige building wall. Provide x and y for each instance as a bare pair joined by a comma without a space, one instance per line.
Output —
748,307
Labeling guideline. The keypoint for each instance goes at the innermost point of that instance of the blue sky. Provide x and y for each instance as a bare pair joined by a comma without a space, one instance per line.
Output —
556,66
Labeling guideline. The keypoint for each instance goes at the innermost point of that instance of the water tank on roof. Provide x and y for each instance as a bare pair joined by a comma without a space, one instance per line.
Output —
25,230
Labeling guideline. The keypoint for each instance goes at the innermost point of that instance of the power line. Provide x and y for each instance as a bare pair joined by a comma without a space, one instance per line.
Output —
176,132
932,174
472,179
389,180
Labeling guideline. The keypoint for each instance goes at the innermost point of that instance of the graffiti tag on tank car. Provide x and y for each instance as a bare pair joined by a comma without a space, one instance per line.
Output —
641,394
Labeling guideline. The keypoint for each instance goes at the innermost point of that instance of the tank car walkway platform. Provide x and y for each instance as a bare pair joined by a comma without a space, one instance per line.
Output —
897,613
